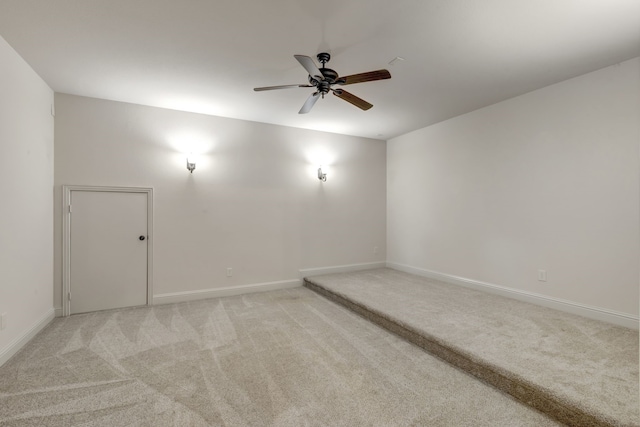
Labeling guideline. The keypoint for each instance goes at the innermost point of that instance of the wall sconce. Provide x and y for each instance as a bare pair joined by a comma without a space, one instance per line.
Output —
322,176
191,162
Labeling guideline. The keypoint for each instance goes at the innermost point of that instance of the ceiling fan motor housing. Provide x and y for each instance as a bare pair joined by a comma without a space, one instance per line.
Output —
330,77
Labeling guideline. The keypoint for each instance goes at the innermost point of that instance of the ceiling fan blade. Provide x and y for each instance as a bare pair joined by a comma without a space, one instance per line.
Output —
259,89
352,99
310,66
309,103
364,77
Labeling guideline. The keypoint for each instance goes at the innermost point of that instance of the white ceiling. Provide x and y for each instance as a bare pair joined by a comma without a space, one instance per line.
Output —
207,55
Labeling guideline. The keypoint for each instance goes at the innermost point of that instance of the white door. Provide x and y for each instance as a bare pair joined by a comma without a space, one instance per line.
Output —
108,250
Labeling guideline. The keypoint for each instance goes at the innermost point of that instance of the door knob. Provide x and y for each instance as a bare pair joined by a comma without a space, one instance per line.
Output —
141,237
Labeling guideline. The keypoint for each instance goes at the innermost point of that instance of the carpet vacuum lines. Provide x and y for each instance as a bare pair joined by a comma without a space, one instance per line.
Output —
285,358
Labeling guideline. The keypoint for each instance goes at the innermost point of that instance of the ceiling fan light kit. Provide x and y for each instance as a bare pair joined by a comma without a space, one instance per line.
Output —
323,79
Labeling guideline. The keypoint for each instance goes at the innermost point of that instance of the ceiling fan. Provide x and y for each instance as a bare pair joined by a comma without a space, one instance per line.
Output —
323,79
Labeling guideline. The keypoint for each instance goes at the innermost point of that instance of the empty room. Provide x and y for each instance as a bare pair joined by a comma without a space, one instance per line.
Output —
303,213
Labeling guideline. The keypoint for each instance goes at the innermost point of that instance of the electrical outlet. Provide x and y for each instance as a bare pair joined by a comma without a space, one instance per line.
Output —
229,272
375,250
542,275
3,321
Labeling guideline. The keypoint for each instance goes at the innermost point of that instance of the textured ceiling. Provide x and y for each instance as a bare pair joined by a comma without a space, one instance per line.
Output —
207,55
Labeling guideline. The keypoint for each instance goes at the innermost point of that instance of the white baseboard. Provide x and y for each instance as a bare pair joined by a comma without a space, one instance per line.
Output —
610,316
224,292
27,336
308,272
58,311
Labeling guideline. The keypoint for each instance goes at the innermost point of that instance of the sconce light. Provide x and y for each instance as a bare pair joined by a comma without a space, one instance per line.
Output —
321,176
191,162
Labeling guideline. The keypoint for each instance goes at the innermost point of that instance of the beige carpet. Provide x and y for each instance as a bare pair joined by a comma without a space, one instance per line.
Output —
283,358
582,372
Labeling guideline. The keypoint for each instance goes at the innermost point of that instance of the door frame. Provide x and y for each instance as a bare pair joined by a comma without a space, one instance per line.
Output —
66,237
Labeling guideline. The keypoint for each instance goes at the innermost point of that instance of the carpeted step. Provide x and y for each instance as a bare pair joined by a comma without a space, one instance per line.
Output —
580,371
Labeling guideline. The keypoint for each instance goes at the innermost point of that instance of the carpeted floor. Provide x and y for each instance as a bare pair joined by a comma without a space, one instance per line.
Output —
282,358
582,371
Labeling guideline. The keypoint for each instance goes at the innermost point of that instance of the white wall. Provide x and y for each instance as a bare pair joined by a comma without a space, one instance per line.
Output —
254,202
26,206
548,180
